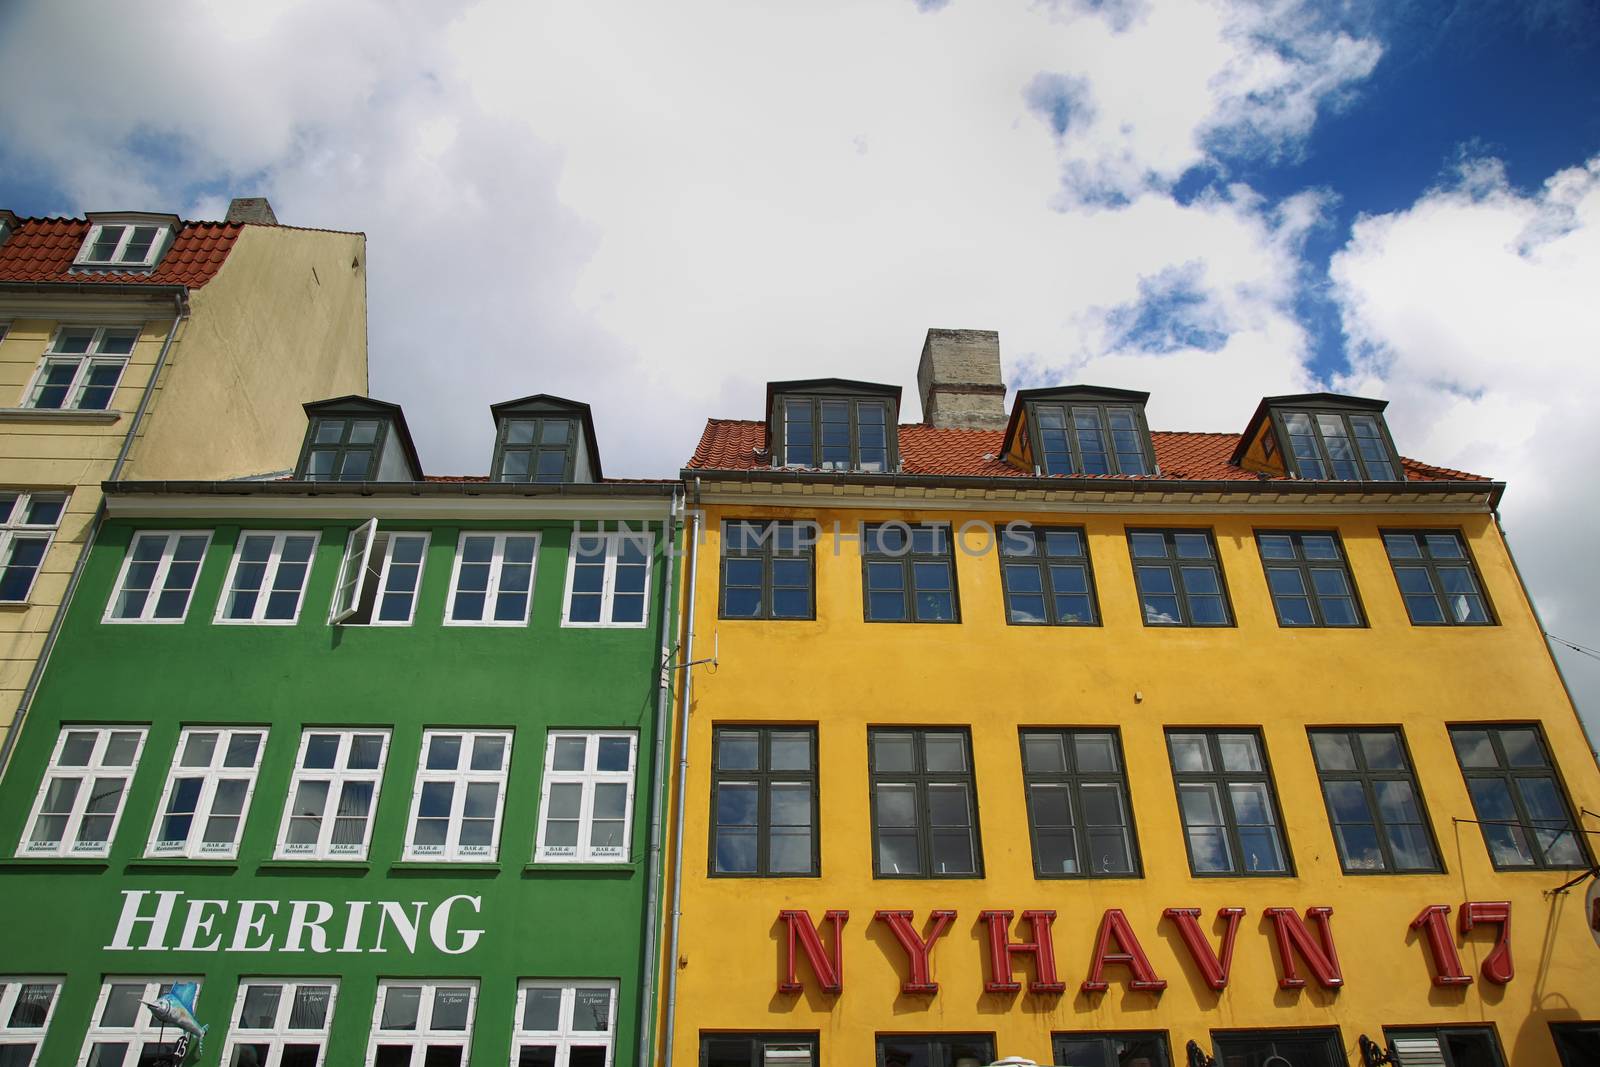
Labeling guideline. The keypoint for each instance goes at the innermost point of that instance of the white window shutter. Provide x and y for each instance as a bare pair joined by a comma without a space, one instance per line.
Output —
1419,1051
357,550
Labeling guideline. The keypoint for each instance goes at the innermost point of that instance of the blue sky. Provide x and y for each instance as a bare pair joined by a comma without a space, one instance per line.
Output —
658,208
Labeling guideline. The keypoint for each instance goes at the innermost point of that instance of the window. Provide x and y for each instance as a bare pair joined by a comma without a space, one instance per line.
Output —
1078,810
342,766
1577,1043
758,1050
768,570
422,1023
924,820
764,801
122,1030
1437,579
81,368
835,433
1230,815
585,810
1309,580
379,578
1146,1049
608,576
1521,808
564,1024
28,523
158,576
1373,801
267,578
493,580
1456,1046
26,1005
122,246
1179,578
536,450
1340,447
208,793
1302,1048
910,574
343,449
455,811
1090,439
935,1050
281,1023
1046,576
80,800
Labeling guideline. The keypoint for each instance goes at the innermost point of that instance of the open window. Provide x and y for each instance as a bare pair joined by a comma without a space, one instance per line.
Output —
379,578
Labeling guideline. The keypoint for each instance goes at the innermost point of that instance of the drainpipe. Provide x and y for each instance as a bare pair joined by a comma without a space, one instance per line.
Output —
691,541
657,789
180,312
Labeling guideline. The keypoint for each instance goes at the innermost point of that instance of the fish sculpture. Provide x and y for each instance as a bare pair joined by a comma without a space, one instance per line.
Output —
176,1008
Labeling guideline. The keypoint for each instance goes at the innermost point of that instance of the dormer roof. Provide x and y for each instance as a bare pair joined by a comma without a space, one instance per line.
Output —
546,404
365,405
1303,401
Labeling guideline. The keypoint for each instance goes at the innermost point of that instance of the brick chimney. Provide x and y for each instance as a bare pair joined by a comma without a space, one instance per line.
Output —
959,380
251,209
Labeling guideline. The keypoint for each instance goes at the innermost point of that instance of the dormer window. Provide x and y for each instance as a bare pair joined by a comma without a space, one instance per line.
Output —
127,243
1320,437
544,439
355,439
1080,431
834,425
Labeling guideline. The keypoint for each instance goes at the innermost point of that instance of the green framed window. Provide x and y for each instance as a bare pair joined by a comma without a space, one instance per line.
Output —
768,570
777,1049
1522,809
1229,807
836,433
908,573
342,448
1374,805
1437,579
1046,577
1146,1048
1578,1044
934,1050
1448,1046
1339,446
1179,578
1090,438
764,809
535,449
1318,1047
1309,579
924,804
1079,816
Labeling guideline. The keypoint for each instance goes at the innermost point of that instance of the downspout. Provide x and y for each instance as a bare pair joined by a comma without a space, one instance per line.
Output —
180,312
691,543
664,688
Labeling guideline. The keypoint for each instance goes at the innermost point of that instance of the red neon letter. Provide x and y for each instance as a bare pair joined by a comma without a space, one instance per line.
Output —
828,969
1434,923
1214,970
918,948
1002,948
1292,936
1497,964
1114,925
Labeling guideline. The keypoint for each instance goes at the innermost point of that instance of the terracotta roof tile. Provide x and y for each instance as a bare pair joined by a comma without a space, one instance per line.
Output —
735,444
42,250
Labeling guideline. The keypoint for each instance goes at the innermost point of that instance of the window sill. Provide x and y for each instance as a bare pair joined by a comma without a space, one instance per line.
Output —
63,863
312,866
57,415
580,868
462,867
166,863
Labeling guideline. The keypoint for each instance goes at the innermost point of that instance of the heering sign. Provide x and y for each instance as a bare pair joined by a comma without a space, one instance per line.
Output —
1303,943
147,924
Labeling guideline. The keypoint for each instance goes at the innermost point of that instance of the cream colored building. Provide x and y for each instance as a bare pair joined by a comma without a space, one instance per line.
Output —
141,346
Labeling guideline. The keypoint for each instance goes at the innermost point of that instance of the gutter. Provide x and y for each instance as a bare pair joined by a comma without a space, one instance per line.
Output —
180,312
179,293
388,489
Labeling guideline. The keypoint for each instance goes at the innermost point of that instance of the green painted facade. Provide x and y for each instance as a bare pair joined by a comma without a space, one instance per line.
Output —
538,921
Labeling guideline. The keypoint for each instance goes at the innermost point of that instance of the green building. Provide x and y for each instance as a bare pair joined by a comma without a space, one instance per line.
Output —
373,759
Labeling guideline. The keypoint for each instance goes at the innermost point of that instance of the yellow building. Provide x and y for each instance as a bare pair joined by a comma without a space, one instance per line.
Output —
1075,742
141,346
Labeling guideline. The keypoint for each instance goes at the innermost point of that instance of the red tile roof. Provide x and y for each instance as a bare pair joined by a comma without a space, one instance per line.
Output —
733,444
42,250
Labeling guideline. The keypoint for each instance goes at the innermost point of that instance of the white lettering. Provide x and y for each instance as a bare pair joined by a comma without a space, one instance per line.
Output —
249,923
197,922
299,925
352,926
439,926
166,900
393,914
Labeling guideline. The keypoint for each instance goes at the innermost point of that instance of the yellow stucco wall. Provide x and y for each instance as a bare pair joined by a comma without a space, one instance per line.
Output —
843,674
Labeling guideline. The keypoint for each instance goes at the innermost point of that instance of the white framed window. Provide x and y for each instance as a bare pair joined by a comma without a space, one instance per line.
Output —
492,584
81,368
28,524
111,244
208,792
586,804
26,1006
122,1030
455,809
333,794
379,578
422,1023
158,576
564,1023
267,578
80,800
281,1022
608,579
